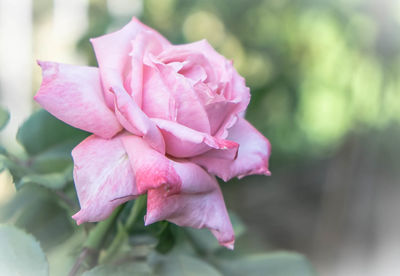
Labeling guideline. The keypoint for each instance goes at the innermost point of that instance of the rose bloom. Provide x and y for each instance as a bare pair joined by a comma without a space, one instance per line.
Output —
166,119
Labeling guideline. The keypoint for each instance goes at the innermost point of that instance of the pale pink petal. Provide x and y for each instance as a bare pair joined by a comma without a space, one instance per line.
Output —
196,65
157,100
103,177
74,95
144,43
189,110
252,158
221,114
135,120
199,204
219,87
238,98
112,53
152,169
181,141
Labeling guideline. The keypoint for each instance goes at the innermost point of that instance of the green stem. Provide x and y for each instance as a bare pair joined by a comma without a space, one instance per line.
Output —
135,212
123,230
94,242
97,235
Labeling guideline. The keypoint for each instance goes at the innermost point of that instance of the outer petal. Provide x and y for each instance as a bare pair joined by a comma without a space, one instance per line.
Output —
135,120
112,53
181,141
152,169
199,204
73,94
103,177
253,154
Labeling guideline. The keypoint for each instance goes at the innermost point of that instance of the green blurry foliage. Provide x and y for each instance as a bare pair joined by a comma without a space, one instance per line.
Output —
20,253
277,264
4,117
43,132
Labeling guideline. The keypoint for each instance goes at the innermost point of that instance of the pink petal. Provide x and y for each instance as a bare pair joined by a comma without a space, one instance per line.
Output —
73,94
238,98
223,93
135,120
189,110
222,116
103,177
157,100
194,64
144,43
181,141
252,158
200,204
152,169
112,53
205,56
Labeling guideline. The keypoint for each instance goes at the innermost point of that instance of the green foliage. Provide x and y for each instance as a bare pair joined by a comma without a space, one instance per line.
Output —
56,180
20,253
183,265
42,132
48,143
4,117
125,269
271,264
40,212
166,238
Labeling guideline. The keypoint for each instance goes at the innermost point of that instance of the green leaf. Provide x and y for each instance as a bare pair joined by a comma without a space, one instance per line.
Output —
182,265
17,170
37,210
42,131
54,159
20,253
166,238
271,264
125,269
56,180
4,117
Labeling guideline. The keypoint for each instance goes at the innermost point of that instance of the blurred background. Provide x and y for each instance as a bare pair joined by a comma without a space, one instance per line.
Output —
324,78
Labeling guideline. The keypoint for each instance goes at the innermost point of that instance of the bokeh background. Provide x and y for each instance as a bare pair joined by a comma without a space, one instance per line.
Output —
324,78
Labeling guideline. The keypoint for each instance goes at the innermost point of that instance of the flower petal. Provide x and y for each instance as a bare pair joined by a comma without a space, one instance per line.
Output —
152,169
135,120
103,177
112,53
73,94
144,43
199,204
181,141
157,100
252,158
238,97
189,110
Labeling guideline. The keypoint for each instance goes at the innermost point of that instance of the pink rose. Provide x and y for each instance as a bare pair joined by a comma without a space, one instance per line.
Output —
165,119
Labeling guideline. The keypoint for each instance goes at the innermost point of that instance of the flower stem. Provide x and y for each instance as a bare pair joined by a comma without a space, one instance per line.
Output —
123,230
135,212
97,235
94,242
